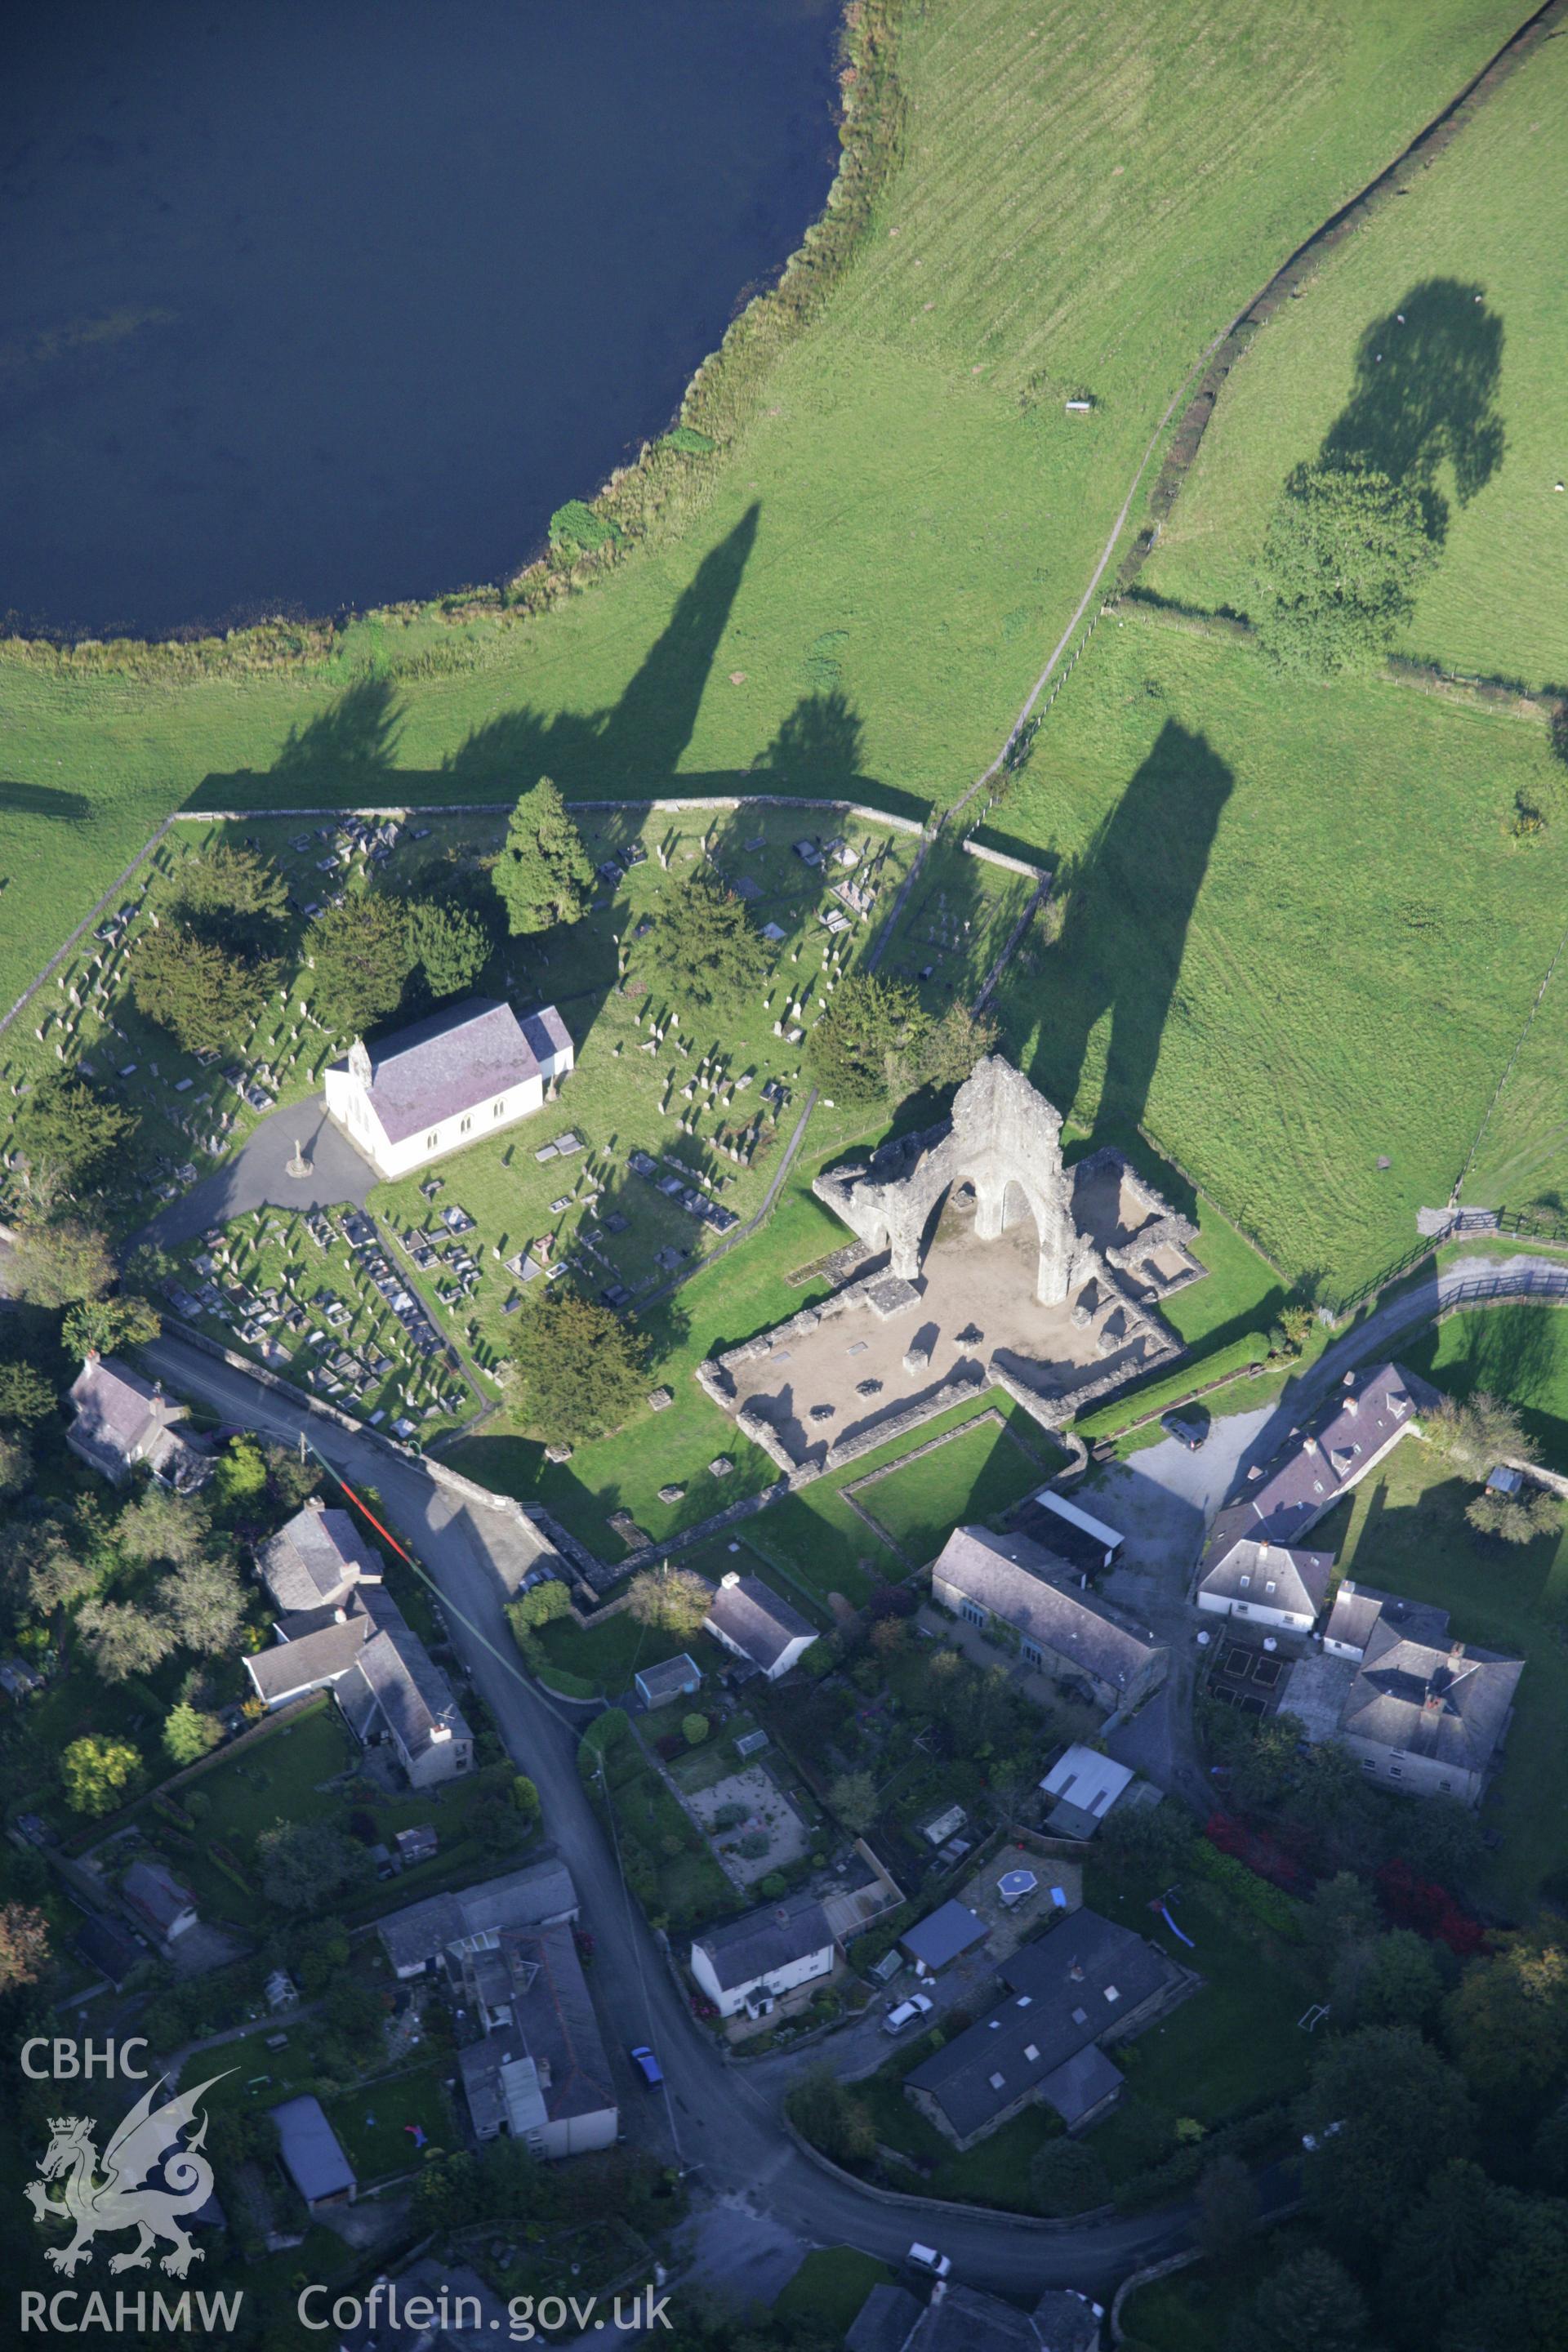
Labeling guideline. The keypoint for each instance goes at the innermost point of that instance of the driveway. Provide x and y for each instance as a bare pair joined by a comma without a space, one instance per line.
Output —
257,1177
712,2119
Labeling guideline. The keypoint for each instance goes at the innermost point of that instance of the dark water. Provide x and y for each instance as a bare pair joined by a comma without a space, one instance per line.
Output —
330,303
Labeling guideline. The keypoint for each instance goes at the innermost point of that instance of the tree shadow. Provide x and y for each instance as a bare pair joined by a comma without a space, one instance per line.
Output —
1131,899
352,744
1425,396
43,800
817,748
641,740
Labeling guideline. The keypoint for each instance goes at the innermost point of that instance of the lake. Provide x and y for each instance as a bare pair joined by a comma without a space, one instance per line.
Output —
305,308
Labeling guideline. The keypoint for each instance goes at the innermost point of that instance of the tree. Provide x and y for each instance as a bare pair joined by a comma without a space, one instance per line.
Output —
1310,2304
541,1603
57,1262
67,1125
188,1735
122,1639
853,1797
1506,2020
97,1772
1227,2208
203,993
97,1327
305,1863
202,1606
1444,2243
41,1569
1368,2164
1065,2176
946,1050
447,945
1391,1980
362,958
694,1729
1343,1911
1345,553
1513,1519
670,1600
25,1394
16,1462
581,1367
544,875
832,2118
235,893
239,1481
23,1946
163,1525
704,946
525,1800
866,1043
1159,1836
1476,1433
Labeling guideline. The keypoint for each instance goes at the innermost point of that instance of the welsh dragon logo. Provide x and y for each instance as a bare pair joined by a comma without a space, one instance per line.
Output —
117,2191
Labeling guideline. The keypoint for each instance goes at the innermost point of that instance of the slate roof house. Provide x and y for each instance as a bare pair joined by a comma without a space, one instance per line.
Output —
756,1623
1268,1583
469,1071
1069,1634
119,1420
540,2073
763,1953
316,1561
672,1678
1085,1983
1428,1717
964,2319
1281,1501
423,1934
382,1676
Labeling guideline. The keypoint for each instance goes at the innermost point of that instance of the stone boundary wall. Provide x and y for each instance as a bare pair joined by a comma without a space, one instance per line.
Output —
973,848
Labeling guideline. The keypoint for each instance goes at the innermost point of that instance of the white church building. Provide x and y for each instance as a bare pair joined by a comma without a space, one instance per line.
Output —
432,1088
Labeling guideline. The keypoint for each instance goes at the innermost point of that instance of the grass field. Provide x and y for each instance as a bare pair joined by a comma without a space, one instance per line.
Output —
1299,938
975,1476
1465,394
828,2289
897,537
1405,1531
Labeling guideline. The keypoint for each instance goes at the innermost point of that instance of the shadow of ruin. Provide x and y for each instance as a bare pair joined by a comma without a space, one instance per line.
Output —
979,1261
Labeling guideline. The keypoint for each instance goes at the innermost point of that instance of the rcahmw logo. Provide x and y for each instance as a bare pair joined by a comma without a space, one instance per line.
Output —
149,2175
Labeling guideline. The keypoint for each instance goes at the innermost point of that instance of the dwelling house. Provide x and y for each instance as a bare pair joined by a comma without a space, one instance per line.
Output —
316,1561
1086,1983
763,1954
1281,1501
470,1070
756,1623
540,2073
1359,1608
964,2319
423,1935
121,1422
1269,1584
1009,1582
1428,1717
389,1687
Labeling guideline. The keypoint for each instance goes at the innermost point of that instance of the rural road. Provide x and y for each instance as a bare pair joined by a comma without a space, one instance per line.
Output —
719,2124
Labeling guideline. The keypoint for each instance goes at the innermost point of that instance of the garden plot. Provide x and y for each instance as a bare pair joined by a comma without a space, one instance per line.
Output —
752,1825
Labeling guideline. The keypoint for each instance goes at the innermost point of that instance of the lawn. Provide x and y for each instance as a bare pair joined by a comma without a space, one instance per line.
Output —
974,1476
904,518
1403,1530
608,1654
688,1887
1271,883
370,2121
1477,382
827,2291
1201,2309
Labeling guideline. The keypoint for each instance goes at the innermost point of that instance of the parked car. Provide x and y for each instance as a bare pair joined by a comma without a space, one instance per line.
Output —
926,2258
648,2066
1189,1429
919,2004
